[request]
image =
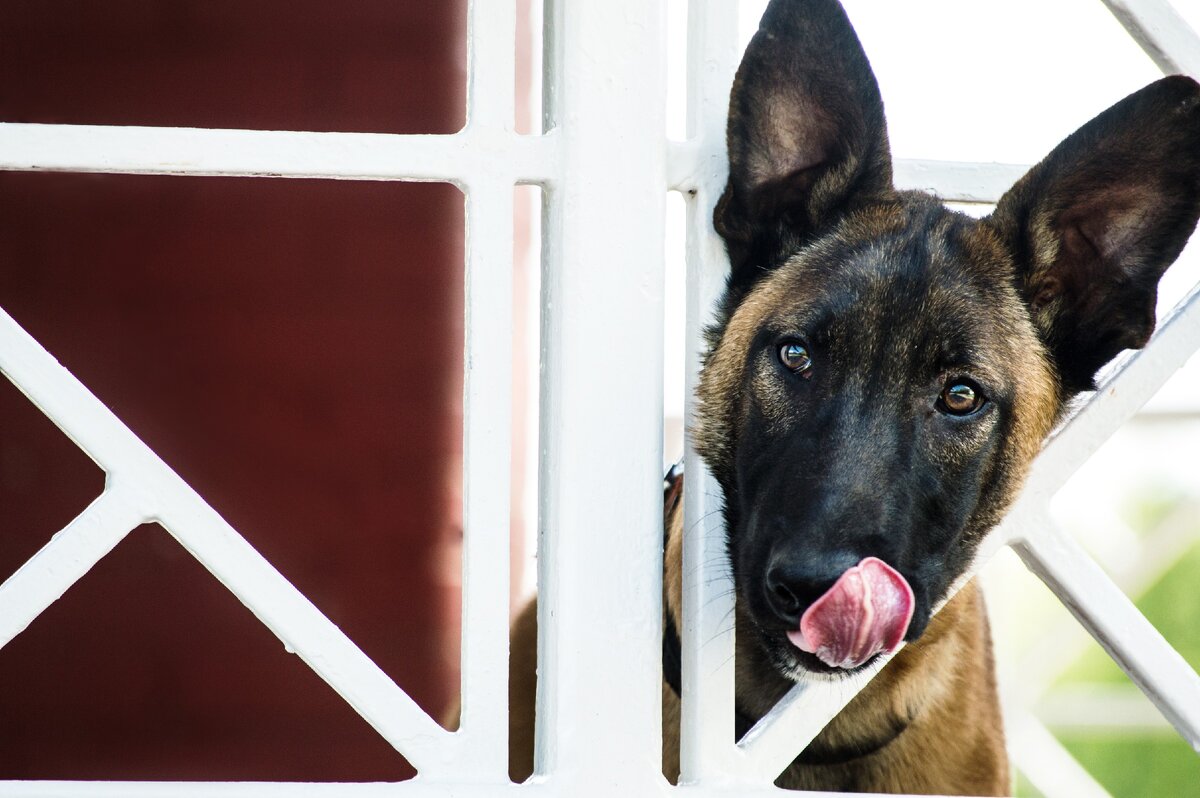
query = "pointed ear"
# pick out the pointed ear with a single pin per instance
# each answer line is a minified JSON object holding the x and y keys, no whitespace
{"x":807,"y":137}
{"x":1094,"y":226}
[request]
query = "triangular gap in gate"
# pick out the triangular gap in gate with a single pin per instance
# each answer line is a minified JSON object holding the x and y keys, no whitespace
{"x":45,"y":479}
{"x":150,"y":645}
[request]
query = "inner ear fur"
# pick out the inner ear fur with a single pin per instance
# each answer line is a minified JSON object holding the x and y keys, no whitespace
{"x":1094,"y":226}
{"x":806,"y":134}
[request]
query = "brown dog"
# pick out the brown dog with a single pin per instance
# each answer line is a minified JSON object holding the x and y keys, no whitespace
{"x":881,"y":373}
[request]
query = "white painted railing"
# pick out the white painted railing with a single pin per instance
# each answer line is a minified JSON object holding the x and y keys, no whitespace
{"x":605,"y":168}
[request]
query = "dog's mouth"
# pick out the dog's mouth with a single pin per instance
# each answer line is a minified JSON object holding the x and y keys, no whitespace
{"x":864,"y":614}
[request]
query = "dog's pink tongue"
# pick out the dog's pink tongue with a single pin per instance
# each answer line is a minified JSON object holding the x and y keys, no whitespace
{"x":866,"y":611}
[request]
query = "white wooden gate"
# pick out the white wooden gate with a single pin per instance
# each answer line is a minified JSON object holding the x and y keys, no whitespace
{"x":605,"y":167}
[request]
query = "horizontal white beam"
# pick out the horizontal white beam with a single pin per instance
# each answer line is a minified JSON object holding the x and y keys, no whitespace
{"x":1161,"y":32}
{"x":958,"y":181}
{"x":1093,"y":707}
{"x":953,"y":181}
{"x":278,"y":153}
{"x":449,"y":158}
{"x":416,"y":788}
{"x":1131,"y":640}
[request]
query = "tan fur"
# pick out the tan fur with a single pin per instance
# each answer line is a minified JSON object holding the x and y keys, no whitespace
{"x":522,"y":693}
{"x":942,"y":687}
{"x":1044,"y":291}
{"x":944,"y":683}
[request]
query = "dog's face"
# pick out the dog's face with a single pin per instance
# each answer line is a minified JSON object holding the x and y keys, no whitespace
{"x":885,"y":369}
{"x":888,"y":392}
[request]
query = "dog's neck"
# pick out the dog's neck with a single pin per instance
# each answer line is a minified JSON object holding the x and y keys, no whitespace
{"x":867,"y":726}
{"x":817,"y":753}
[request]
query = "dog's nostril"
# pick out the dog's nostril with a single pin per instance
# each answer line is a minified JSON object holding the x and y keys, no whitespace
{"x":783,"y":598}
{"x":786,"y":598}
{"x":792,"y":584}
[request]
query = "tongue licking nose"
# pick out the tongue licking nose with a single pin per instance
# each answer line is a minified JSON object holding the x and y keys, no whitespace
{"x":866,"y":611}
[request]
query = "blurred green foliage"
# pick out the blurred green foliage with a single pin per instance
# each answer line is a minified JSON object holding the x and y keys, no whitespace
{"x":1139,"y":764}
{"x":1136,"y":765}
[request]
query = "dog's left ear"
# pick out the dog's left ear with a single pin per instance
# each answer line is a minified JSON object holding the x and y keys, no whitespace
{"x":807,"y":137}
{"x":1094,"y":225}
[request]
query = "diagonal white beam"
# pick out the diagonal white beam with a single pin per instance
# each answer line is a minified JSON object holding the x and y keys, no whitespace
{"x":1161,"y":32}
{"x":1046,"y":763}
{"x":1064,"y":641}
{"x":162,"y":495}
{"x":303,"y":629}
{"x":799,"y":716}
{"x":791,"y":725}
{"x":1117,"y":625}
{"x":277,"y":153}
{"x":1137,"y":378}
{"x":65,"y":558}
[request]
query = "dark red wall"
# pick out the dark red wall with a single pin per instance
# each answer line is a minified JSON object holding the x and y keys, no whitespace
{"x":292,"y":348}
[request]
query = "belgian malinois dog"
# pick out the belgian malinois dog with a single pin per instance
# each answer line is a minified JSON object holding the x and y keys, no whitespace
{"x":880,"y":375}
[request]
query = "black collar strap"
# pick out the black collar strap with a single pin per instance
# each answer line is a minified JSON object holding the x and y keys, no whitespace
{"x":672,"y":658}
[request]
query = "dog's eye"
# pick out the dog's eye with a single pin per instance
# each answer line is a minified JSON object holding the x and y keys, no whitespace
{"x":961,"y":398}
{"x":796,"y":359}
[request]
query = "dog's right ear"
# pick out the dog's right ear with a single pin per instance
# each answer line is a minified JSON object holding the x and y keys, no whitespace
{"x":807,"y":137}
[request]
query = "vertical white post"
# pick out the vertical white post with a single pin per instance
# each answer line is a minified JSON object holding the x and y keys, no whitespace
{"x":600,"y":572}
{"x":487,"y":405}
{"x":487,"y":445}
{"x":706,"y":724}
{"x":491,"y":67}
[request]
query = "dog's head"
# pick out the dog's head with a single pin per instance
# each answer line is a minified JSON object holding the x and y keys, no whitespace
{"x":884,"y":369}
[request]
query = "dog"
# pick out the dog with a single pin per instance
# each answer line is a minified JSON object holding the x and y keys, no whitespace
{"x":881,"y":373}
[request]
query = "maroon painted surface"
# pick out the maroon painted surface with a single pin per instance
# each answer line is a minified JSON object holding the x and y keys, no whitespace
{"x":292,"y":348}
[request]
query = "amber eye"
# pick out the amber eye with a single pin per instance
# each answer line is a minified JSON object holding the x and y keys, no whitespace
{"x":961,"y":398}
{"x":795,"y":358}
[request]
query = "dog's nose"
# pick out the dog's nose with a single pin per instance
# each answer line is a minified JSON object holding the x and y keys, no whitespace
{"x":792,"y":585}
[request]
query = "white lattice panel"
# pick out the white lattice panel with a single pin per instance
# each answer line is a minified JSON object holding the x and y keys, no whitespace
{"x":606,"y":167}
